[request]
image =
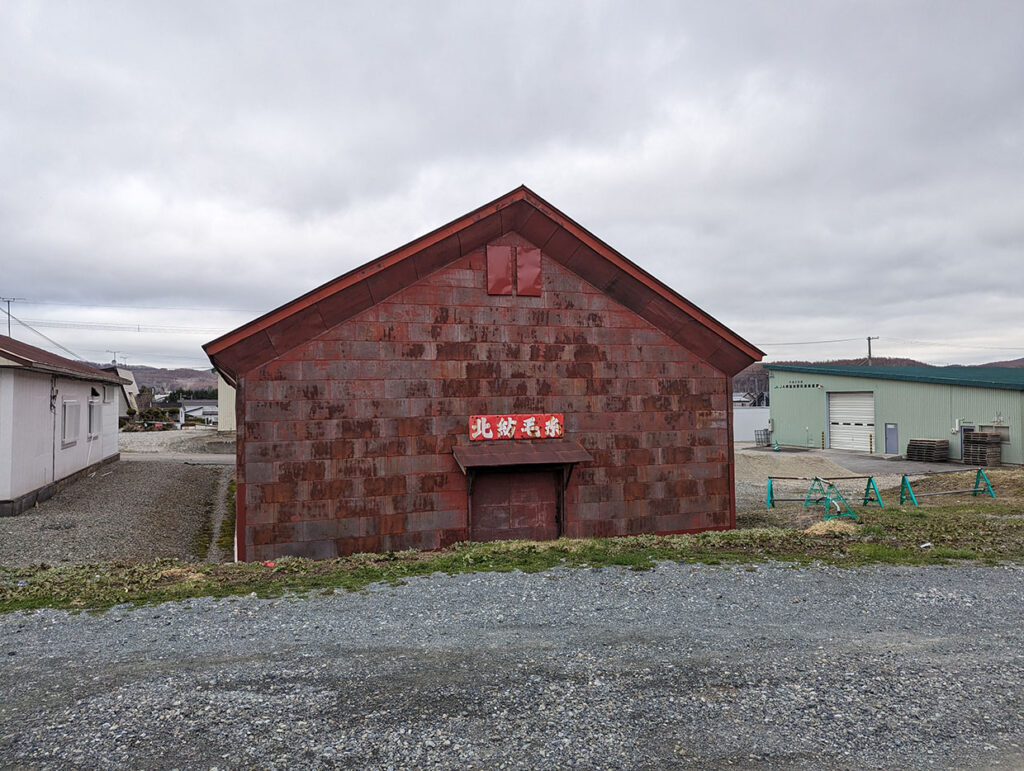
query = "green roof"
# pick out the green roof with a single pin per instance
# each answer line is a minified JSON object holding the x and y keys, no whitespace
{"x":1005,"y":378}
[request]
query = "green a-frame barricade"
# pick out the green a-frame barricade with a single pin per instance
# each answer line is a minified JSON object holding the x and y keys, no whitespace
{"x":907,"y":492}
{"x":871,"y":494}
{"x":824,"y":493}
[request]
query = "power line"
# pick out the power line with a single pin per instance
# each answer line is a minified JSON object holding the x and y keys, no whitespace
{"x":946,"y":343}
{"x":151,"y":354}
{"x":112,"y":327}
{"x":52,"y":342}
{"x":812,"y":342}
{"x":147,"y":307}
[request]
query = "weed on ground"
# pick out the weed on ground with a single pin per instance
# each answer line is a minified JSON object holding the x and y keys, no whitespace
{"x":940,"y":531}
{"x":226,"y":536}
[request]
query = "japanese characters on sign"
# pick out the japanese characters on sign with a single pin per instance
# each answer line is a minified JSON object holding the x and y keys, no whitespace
{"x":483,"y":428}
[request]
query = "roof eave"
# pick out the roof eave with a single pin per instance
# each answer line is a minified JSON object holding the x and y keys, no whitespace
{"x":49,"y":369}
{"x":270,"y":335}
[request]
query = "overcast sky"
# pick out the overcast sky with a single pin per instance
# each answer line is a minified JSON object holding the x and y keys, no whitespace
{"x":816,"y":171}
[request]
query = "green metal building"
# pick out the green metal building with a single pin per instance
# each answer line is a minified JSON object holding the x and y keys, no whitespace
{"x":880,"y":409}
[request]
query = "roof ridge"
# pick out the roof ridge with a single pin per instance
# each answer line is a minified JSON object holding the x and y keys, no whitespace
{"x":521,"y":210}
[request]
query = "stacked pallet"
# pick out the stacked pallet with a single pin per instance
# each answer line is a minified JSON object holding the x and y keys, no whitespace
{"x":928,"y":450}
{"x":982,"y":449}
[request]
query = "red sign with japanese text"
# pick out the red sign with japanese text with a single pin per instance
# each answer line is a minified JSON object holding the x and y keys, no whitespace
{"x":484,"y":428}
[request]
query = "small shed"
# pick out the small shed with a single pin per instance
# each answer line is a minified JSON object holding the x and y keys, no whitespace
{"x":58,"y":422}
{"x":508,"y":375}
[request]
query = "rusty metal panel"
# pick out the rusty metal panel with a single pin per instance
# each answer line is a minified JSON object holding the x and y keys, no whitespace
{"x":561,"y":245}
{"x":499,"y":270}
{"x":386,"y":282}
{"x":515,"y":505}
{"x":525,"y":453}
{"x":536,"y":227}
{"x":253,"y":351}
{"x":362,"y":432}
{"x":296,"y":329}
{"x":437,"y":256}
{"x":479,"y":232}
{"x":528,"y":263}
{"x":345,"y":304}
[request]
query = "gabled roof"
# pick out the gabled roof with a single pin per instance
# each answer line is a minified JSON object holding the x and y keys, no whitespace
{"x":522,"y":211}
{"x":130,"y":386}
{"x":1004,"y":378}
{"x":14,"y":353}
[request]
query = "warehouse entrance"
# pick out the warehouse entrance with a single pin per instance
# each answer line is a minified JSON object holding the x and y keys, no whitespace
{"x":517,"y":489}
{"x":518,"y":504}
{"x":851,"y":420}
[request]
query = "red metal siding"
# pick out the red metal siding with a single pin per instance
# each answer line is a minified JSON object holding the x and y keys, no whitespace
{"x":528,"y":281}
{"x":348,"y":436}
{"x":499,"y":269}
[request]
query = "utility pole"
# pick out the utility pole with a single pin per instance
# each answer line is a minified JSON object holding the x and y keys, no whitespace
{"x":869,"y":348}
{"x":9,"y":300}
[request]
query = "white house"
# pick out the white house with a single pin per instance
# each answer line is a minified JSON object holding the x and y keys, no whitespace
{"x":58,"y":422}
{"x":127,"y":392}
{"x":200,"y":409}
{"x":225,"y":405}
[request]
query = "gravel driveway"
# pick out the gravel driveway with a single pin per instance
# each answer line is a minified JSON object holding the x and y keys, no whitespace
{"x":683,"y":666}
{"x":126,"y":511}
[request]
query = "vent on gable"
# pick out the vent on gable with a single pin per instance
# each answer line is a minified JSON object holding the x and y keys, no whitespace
{"x":513,"y":270}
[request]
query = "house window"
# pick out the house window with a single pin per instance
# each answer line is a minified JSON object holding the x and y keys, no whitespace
{"x":108,"y":394}
{"x":70,"y":418}
{"x":95,"y":419}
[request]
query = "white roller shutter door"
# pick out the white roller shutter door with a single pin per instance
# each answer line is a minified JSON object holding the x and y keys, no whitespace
{"x":851,"y":420}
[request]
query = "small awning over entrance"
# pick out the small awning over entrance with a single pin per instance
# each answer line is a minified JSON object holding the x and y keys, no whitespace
{"x":543,"y":452}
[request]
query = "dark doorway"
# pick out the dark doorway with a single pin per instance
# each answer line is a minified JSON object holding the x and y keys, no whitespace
{"x":518,"y":504}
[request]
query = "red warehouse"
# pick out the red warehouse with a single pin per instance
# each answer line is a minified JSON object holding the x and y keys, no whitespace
{"x":508,"y":375}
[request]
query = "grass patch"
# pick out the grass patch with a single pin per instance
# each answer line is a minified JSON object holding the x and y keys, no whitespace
{"x":226,"y":536}
{"x":889,"y":536}
{"x":986,"y":531}
{"x":203,"y":538}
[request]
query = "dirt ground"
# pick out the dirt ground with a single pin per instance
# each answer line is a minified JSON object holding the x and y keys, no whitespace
{"x":190,"y":440}
{"x":754,"y":466}
{"x":757,"y":465}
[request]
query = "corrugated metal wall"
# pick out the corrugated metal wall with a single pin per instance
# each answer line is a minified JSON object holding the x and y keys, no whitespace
{"x":920,"y":410}
{"x":798,"y":409}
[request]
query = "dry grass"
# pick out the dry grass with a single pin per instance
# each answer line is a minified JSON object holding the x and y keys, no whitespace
{"x":836,"y":525}
{"x":1008,"y":484}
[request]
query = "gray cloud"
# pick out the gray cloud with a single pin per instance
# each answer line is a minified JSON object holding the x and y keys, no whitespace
{"x":803,"y":171}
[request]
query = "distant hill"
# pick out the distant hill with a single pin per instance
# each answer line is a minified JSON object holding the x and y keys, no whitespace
{"x":1012,"y":364}
{"x":755,"y":377}
{"x":167,"y":380}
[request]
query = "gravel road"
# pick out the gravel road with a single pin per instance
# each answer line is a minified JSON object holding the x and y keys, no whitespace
{"x":683,"y":666}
